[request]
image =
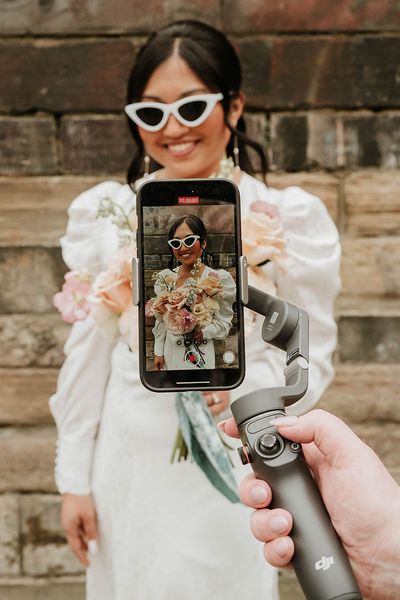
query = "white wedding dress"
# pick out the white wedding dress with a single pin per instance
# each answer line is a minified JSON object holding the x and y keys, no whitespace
{"x":164,"y":532}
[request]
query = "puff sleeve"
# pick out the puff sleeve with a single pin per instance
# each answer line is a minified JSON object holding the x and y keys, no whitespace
{"x":77,"y":403}
{"x":311,"y":282}
{"x":221,"y":324}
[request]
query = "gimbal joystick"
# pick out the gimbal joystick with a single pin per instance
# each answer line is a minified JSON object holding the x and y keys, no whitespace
{"x":320,"y":562}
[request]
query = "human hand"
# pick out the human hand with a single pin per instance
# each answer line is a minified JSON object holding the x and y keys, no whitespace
{"x":159,"y":363}
{"x":78,"y":518}
{"x":361,"y":497}
{"x":217,"y":402}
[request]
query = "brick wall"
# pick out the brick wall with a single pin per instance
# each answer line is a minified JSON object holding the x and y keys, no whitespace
{"x":323,"y":91}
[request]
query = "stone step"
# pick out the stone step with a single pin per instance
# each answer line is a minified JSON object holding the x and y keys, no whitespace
{"x":27,"y":462}
{"x":352,"y":396}
{"x":29,"y":588}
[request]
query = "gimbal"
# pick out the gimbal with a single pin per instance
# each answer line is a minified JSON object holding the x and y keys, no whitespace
{"x":320,"y":562}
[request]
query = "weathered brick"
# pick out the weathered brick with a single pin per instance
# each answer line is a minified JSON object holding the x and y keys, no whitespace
{"x":27,"y":462}
{"x":257,"y":128}
{"x":323,"y":185}
{"x":355,"y":305}
{"x":43,"y":75}
{"x":363,"y":393}
{"x":95,"y":144}
{"x":9,"y":535}
{"x":256,"y":56}
{"x":289,"y":142}
{"x":25,"y":394}
{"x":330,"y":140}
{"x":103,"y":17}
{"x":242,"y":16}
{"x":32,"y":340}
{"x":330,"y":71}
{"x":371,"y":266}
{"x":45,"y":551}
{"x":33,"y":211}
{"x":372,"y":140}
{"x":29,"y":588}
{"x":369,"y":339}
{"x":28,"y":145}
{"x":29,"y":278}
{"x":372,"y":202}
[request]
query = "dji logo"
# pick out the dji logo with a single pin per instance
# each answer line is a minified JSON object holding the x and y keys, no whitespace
{"x":324,"y":563}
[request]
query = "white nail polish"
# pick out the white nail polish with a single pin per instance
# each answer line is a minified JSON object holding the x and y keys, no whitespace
{"x":92,"y":547}
{"x":258,"y":494}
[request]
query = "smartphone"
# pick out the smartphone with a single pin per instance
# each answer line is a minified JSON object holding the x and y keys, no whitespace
{"x":189,"y":281}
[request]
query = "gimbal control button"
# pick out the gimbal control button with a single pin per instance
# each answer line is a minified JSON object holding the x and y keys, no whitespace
{"x":245,"y":455}
{"x":269,"y":444}
{"x":294,"y":447}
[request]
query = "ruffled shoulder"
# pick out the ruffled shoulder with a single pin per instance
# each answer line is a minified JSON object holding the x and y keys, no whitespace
{"x":90,"y":240}
{"x":305,"y":218}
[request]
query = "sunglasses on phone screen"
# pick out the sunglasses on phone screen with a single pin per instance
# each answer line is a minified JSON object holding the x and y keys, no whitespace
{"x":188,"y":241}
{"x":190,"y":111}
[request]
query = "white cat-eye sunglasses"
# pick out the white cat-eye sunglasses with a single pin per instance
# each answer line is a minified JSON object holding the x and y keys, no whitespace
{"x":190,"y":111}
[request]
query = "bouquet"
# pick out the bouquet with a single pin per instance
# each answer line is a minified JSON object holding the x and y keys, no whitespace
{"x":107,"y":296}
{"x":185,"y":310}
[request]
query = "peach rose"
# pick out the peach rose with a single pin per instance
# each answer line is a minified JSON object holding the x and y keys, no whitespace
{"x":263,"y":238}
{"x":177,"y":298}
{"x":160,"y":303}
{"x":211,"y":285}
{"x":202,"y":314}
{"x":113,"y":291}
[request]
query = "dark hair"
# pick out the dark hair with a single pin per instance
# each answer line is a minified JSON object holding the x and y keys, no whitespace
{"x":212,"y":57}
{"x":198,"y":228}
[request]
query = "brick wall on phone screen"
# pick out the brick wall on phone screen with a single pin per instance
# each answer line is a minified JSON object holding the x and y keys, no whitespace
{"x":323,"y":95}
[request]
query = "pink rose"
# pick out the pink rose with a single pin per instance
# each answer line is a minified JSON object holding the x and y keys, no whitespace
{"x":113,"y":291}
{"x":180,"y":321}
{"x":72,"y":301}
{"x":149,"y":308}
{"x":260,"y":206}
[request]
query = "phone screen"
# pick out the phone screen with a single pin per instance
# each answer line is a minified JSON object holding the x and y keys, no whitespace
{"x":191,"y":320}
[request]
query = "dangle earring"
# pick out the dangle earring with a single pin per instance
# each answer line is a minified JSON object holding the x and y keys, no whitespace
{"x":236,"y":152}
{"x":146,"y":159}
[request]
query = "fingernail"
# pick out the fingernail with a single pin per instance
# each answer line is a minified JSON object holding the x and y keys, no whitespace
{"x":278,"y":524}
{"x":281,"y":547}
{"x":285,"y":421}
{"x":221,"y":425}
{"x":92,"y":547}
{"x":258,"y":494}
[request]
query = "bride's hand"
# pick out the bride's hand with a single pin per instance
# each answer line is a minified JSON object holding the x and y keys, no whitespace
{"x":159,"y":363}
{"x":217,"y":402}
{"x":79,"y":521}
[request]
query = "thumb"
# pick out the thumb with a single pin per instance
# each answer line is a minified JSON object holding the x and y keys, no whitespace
{"x":331,"y":435}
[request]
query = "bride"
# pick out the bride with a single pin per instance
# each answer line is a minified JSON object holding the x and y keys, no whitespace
{"x":145,"y":528}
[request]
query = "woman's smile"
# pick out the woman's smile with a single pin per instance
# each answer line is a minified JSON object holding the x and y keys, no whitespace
{"x":178,"y":149}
